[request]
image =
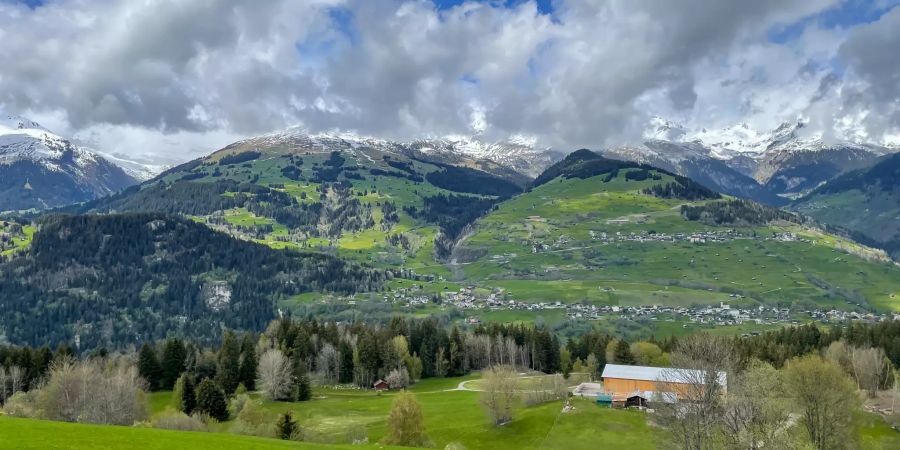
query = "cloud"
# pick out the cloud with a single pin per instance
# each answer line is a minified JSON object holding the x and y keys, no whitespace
{"x":164,"y":77}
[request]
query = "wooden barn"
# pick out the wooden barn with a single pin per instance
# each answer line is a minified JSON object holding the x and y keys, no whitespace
{"x":628,"y":380}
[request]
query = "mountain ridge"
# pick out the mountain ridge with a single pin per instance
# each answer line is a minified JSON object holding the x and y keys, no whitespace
{"x":39,"y":169}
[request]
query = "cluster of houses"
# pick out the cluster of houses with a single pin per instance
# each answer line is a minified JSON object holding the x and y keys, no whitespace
{"x":701,"y":237}
{"x":469,"y":299}
{"x":721,"y":315}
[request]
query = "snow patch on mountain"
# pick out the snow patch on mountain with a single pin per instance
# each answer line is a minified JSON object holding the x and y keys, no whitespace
{"x":519,"y":153}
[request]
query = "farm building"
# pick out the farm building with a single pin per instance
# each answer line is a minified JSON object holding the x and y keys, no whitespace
{"x":381,"y":385}
{"x":626,"y":380}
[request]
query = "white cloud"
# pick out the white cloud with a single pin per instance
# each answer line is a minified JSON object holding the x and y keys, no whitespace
{"x":178,"y":78}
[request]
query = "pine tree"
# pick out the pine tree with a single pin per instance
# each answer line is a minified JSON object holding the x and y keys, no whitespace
{"x":623,"y":354}
{"x":211,"y":400}
{"x":172,"y":365}
{"x":286,"y":428}
{"x":148,"y":367}
{"x":346,"y":371}
{"x":229,"y":363}
{"x":248,"y":363}
{"x":303,"y":388}
{"x":457,"y":354}
{"x":188,"y":394}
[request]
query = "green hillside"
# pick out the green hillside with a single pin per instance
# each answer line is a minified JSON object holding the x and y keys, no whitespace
{"x":605,"y":235}
{"x":865,"y":203}
{"x":117,"y":279}
{"x":385,"y":208}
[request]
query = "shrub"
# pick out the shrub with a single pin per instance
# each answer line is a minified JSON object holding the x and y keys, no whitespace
{"x":176,"y":420}
{"x":22,"y":404}
{"x":253,"y":420}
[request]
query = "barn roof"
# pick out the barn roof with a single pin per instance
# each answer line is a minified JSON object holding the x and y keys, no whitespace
{"x":665,"y":374}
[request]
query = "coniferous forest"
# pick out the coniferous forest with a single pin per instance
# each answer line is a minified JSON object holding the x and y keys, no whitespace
{"x":118,"y":279}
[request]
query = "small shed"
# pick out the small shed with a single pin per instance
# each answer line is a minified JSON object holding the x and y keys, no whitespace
{"x":381,"y":385}
{"x":605,"y":399}
{"x":637,"y":400}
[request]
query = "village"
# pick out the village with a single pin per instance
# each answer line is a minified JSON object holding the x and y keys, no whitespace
{"x":723,"y":314}
{"x":703,"y":237}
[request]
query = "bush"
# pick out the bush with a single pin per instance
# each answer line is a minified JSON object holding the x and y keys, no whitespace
{"x":253,"y":420}
{"x":236,"y":405}
{"x":179,"y":421}
{"x":22,"y":404}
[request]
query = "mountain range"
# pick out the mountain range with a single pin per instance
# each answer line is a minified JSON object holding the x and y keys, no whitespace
{"x":772,"y":167}
{"x":39,"y":169}
{"x":386,"y":216}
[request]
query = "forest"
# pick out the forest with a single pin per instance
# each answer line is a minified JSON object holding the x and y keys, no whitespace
{"x":737,"y":212}
{"x":113,"y":280}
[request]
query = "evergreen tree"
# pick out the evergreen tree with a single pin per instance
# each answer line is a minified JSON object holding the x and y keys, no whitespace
{"x":148,"y":366}
{"x":172,"y":365}
{"x":286,"y":428}
{"x":369,"y":359}
{"x":188,"y":394}
{"x":457,"y":354}
{"x":229,"y":363}
{"x":622,"y":353}
{"x":345,"y":374}
{"x":211,"y":400}
{"x":303,"y":388}
{"x":248,"y":363}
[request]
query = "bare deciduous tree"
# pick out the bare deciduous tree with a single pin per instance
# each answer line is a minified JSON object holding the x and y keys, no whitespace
{"x":827,"y":400}
{"x":274,"y":375}
{"x":93,"y":391}
{"x":869,"y":369}
{"x":501,"y":394}
{"x":328,"y":364}
{"x":703,"y":362}
{"x":398,"y":378}
{"x":757,"y":411}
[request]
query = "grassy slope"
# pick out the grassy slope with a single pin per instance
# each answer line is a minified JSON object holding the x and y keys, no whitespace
{"x":874,"y":214}
{"x":456,"y":416}
{"x":45,"y":435}
{"x":577,"y":268}
{"x":19,"y":242}
{"x":368,"y":245}
{"x":450,"y":416}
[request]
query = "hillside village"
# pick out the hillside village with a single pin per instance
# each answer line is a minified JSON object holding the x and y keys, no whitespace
{"x":469,"y":299}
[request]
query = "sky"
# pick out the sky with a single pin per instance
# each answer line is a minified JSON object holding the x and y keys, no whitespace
{"x":169,"y":80}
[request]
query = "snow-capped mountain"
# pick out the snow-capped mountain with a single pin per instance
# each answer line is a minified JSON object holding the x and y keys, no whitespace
{"x":519,"y":153}
{"x":787,"y":161}
{"x":39,"y":169}
{"x":695,"y":161}
{"x":517,"y":159}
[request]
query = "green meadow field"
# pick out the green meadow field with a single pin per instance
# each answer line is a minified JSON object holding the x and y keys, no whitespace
{"x":572,"y":266}
{"x":333,"y":416}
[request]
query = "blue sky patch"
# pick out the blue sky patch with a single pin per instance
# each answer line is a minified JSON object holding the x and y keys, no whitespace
{"x":845,"y":15}
{"x":544,"y":6}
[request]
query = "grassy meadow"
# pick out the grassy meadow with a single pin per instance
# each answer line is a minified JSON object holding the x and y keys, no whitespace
{"x":543,"y":246}
{"x":333,"y":417}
